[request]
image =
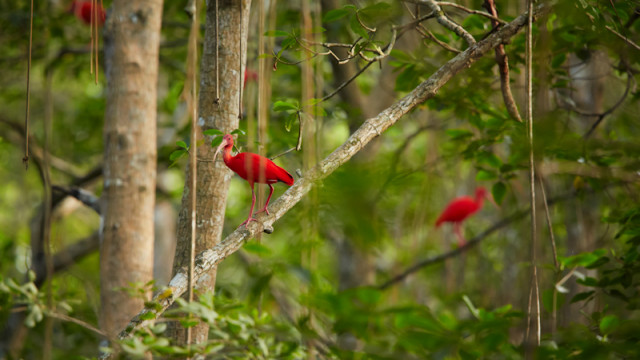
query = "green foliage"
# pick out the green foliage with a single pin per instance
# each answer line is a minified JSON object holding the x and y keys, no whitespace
{"x":312,"y":283}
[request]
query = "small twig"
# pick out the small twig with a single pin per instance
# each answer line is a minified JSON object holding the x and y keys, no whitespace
{"x":503,"y":65}
{"x":84,"y":324}
{"x":87,"y":198}
{"x":601,"y":116}
{"x":382,"y":54}
{"x":344,"y":84}
{"x":363,"y":24}
{"x":448,"y":23}
{"x":492,"y":16}
{"x":282,"y":153}
{"x":427,"y":34}
{"x":552,"y":238}
{"x":624,"y":38}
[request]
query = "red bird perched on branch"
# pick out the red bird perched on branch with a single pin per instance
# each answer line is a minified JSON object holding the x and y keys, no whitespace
{"x":83,"y":11}
{"x":461,"y":208}
{"x":253,"y":168}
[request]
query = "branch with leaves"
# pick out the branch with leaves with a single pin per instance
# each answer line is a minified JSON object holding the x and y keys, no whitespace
{"x":371,"y":128}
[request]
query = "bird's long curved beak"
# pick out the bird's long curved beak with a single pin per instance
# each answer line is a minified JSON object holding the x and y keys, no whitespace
{"x":220,"y":147}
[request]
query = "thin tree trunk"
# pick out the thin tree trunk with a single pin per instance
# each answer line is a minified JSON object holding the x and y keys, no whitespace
{"x":132,"y":39}
{"x":212,"y":179}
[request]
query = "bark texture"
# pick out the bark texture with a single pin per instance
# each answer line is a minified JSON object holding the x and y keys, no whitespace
{"x":132,"y":39}
{"x":212,"y":178}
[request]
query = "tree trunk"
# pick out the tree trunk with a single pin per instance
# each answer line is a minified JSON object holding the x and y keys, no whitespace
{"x":212,"y":179}
{"x":132,"y":39}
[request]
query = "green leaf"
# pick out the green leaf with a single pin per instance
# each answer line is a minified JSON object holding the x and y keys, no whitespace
{"x":489,"y":158}
{"x":189,"y":322}
{"x":275,"y":33}
{"x":238,"y":132}
{"x":582,"y":296}
{"x":283,"y":106}
{"x":601,"y":261}
{"x":485,"y":175}
{"x":376,"y":13}
{"x":148,"y":316}
{"x":177,"y":154}
{"x":212,"y":132}
{"x":498,"y":191}
{"x":608,"y":324}
{"x":216,"y":141}
{"x":335,"y":14}
{"x":182,"y":144}
{"x":584,"y":259}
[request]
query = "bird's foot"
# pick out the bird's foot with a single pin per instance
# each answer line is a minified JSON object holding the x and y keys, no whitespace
{"x":461,"y":243}
{"x":246,"y":222}
{"x":263,"y":210}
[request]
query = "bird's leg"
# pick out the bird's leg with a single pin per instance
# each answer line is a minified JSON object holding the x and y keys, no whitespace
{"x":267,"y":203}
{"x":253,"y":202}
{"x":457,"y":227}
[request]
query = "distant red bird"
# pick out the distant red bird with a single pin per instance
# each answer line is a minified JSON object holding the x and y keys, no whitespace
{"x":249,"y":166}
{"x":249,"y":75}
{"x":83,"y":9}
{"x":459,"y":209}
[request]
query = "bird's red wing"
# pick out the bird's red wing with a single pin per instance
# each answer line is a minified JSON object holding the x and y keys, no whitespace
{"x":276,"y":172}
{"x":248,"y":165}
{"x":458,"y":210}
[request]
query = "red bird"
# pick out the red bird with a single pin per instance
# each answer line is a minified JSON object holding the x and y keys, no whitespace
{"x":249,"y":75}
{"x":83,"y":11}
{"x":249,"y":166}
{"x":461,"y":208}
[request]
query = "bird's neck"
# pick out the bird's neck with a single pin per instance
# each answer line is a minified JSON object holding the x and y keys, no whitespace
{"x":480,"y":201}
{"x":226,"y":154}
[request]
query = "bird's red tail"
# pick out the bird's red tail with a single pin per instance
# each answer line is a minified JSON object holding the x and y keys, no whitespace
{"x":283,"y":176}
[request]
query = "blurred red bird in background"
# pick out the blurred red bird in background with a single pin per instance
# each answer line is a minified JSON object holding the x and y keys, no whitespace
{"x":83,"y":11}
{"x":461,"y":208}
{"x":253,"y":168}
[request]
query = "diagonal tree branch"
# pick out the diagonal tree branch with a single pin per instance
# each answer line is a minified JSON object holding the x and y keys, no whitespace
{"x":84,"y":196}
{"x":370,"y":129}
{"x":68,"y":256}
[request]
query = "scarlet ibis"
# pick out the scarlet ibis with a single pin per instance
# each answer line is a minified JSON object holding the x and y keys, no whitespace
{"x":253,"y":168}
{"x":249,"y":75}
{"x":83,"y":11}
{"x":461,"y":208}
